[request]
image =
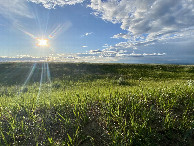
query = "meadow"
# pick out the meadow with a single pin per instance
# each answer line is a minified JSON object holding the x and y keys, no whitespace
{"x":96,"y":104}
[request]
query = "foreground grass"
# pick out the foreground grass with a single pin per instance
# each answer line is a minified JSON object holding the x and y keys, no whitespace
{"x":99,"y":104}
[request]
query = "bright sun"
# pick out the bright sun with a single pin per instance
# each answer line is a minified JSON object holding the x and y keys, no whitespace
{"x":42,"y":42}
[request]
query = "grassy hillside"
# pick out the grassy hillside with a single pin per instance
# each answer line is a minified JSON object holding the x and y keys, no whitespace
{"x":96,"y":104}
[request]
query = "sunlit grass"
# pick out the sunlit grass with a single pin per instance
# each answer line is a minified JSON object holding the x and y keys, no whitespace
{"x":101,"y":105}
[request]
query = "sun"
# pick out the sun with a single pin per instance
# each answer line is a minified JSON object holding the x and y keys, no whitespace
{"x":42,"y":42}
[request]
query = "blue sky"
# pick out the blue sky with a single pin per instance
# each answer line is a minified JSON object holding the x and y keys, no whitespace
{"x":141,"y":31}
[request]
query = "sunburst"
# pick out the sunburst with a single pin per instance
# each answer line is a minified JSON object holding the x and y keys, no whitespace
{"x":42,"y":42}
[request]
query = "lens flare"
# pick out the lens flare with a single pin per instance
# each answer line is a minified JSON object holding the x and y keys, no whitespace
{"x":42,"y":42}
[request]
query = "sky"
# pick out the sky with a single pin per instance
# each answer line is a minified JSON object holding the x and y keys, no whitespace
{"x":124,"y":31}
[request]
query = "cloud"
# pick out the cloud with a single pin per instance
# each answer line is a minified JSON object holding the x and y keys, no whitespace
{"x":50,"y":4}
{"x":87,"y":34}
{"x":119,"y":53}
{"x":105,"y":46}
{"x":95,"y":51}
{"x":121,"y":35}
{"x":11,"y":8}
{"x":84,"y":46}
{"x":147,"y":21}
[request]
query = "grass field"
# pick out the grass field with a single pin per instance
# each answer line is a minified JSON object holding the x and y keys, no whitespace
{"x":96,"y":104}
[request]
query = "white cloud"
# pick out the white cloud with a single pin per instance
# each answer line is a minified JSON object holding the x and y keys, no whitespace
{"x":147,"y":21}
{"x":105,"y":46}
{"x":87,"y":34}
{"x":12,"y":8}
{"x":95,"y":51}
{"x":121,"y":35}
{"x":49,"y":4}
{"x":118,"y":53}
{"x":84,"y":46}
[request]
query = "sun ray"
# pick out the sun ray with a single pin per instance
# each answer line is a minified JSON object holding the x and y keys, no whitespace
{"x":28,"y":78}
{"x":19,"y":27}
{"x":40,"y":86}
{"x":48,"y":73}
{"x":30,"y":75}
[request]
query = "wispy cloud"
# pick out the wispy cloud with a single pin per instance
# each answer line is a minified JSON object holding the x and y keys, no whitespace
{"x":84,"y":46}
{"x":11,"y":8}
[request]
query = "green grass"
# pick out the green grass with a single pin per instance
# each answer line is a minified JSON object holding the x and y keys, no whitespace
{"x":97,"y":104}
